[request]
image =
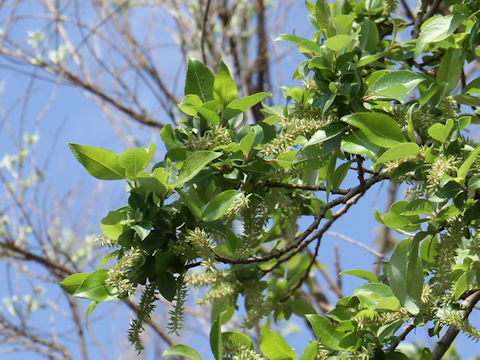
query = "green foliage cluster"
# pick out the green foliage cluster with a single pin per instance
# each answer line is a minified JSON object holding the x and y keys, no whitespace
{"x":227,"y":196}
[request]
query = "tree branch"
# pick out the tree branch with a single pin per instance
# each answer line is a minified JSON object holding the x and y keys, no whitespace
{"x":446,"y":341}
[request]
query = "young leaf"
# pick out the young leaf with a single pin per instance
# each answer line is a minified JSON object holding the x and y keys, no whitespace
{"x":238,"y":106}
{"x":274,"y":347}
{"x":193,"y":165}
{"x":199,"y":80}
{"x":219,"y":205}
{"x":467,"y":164}
{"x":111,"y":225}
{"x":437,"y":30}
{"x":395,"y":84}
{"x":93,"y":287}
{"x":325,"y":331}
{"x":310,"y":352}
{"x":135,"y":160}
{"x":450,"y":70}
{"x":302,"y":43}
{"x":399,"y":152}
{"x":100,"y":163}
{"x":156,"y":181}
{"x":324,"y":18}
{"x":237,"y":339}
{"x":224,"y":87}
{"x":363,"y":274}
{"x":182,"y":350}
{"x":377,"y":296}
{"x":439,"y":131}
{"x":90,"y":309}
{"x":73,"y":282}
{"x":379,"y":128}
{"x":338,"y":42}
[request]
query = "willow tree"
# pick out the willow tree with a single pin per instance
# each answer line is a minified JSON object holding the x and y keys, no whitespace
{"x":222,"y":209}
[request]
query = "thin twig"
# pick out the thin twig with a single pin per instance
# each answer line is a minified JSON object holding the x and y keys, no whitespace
{"x":354,"y":242}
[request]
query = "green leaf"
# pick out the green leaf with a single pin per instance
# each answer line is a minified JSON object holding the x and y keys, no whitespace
{"x":405,"y":274}
{"x":326,"y":133}
{"x":473,"y":87}
{"x":209,"y":112}
{"x":111,"y":225}
{"x":224,"y":87}
{"x":216,"y":343}
{"x":193,"y":165}
{"x":135,"y":160}
{"x":156,"y":181}
{"x":369,"y":36}
{"x":237,"y":339}
{"x":324,"y":18}
{"x":399,"y":152}
{"x":339,"y":175}
{"x":325,"y":331}
{"x":189,"y":103}
{"x":377,"y":296}
{"x":311,"y":351}
{"x":247,"y":142}
{"x":286,"y":159}
{"x":73,"y":282}
{"x":199,"y":80}
{"x":182,"y":350}
{"x":301,"y":307}
{"x":439,"y":131}
{"x":450,"y":70}
{"x":395,"y":85}
{"x":467,"y":164}
{"x":274,"y":347}
{"x":338,"y":42}
{"x":93,"y":287}
{"x":463,"y":282}
{"x":474,"y":182}
{"x":238,"y":106}
{"x":90,"y":309}
{"x":363,"y":274}
{"x":356,"y":142}
{"x":302,"y":43}
{"x":219,"y":205}
{"x":437,"y":30}
{"x":379,"y":128}
{"x":100,"y":163}
{"x":309,"y":158}
{"x":192,"y":201}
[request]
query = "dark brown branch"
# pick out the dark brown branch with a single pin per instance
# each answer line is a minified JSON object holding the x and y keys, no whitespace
{"x":407,"y":9}
{"x":353,"y":192}
{"x":204,"y":32}
{"x":305,"y":187}
{"x":446,"y":341}
{"x":261,"y":62}
{"x":419,"y":19}
{"x":338,"y":268}
{"x":402,"y":336}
